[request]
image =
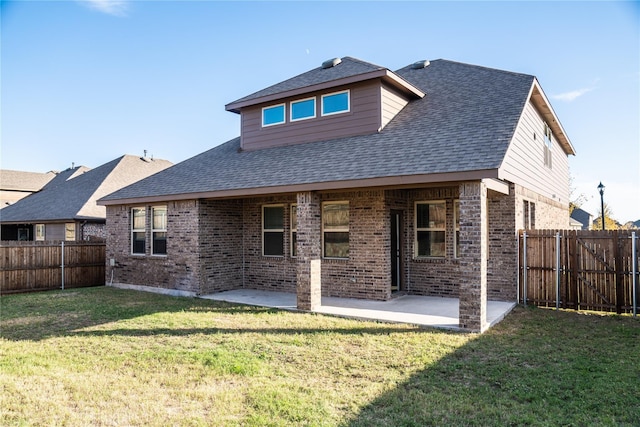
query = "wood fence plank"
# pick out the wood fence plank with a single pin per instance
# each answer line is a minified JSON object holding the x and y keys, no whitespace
{"x":30,"y":266}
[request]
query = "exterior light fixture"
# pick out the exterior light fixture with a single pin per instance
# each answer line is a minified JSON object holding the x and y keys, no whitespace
{"x":601,"y":190}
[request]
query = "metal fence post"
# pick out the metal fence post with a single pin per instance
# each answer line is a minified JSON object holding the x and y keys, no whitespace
{"x":62,"y":258}
{"x":524,"y":268}
{"x":634,"y":268}
{"x":558,"y":271}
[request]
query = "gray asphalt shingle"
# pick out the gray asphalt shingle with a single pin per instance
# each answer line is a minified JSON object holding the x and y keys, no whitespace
{"x":464,"y":123}
{"x":72,"y":194}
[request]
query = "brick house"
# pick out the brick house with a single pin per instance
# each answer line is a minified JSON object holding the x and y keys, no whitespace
{"x":351,"y":180}
{"x":65,"y":207}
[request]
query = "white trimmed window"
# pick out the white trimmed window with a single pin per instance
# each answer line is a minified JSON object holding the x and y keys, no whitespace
{"x":456,"y":222}
{"x":430,"y":231}
{"x":548,"y":145}
{"x":335,"y":229}
{"x":303,"y":109}
{"x":70,"y":231}
{"x":159,"y":230}
{"x":336,"y":103}
{"x":40,"y":232}
{"x":138,"y":226}
{"x":294,"y":230}
{"x":273,"y":115}
{"x":529,"y":215}
{"x":273,"y":230}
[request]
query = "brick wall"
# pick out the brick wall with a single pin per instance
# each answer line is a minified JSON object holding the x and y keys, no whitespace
{"x":228,"y":234}
{"x":179,"y":269}
{"x":433,"y":276}
{"x":473,"y":256}
{"x":267,"y":272}
{"x":220,"y":243}
{"x":549,"y":213}
{"x":367,"y":271}
{"x":93,"y":232}
{"x":503,"y":249}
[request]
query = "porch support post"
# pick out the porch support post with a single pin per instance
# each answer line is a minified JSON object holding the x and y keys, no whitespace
{"x":473,"y":256}
{"x":309,"y":251}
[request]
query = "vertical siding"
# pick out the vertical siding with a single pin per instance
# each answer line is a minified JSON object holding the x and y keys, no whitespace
{"x":524,"y":161}
{"x":54,"y":231}
{"x":392,"y":104}
{"x":363,"y":118}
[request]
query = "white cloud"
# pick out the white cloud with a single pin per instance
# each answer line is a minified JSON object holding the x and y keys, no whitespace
{"x":110,"y":7}
{"x":571,"y":96}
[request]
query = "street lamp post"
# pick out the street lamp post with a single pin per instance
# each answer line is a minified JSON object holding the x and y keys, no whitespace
{"x":601,"y":190}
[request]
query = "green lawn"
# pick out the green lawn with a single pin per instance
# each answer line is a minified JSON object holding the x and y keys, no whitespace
{"x":104,"y":356}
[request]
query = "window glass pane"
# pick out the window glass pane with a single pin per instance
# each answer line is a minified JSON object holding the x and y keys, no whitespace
{"x":294,"y":217}
{"x":303,"y":109}
{"x":138,"y":219}
{"x":431,"y":243}
{"x":294,"y":242}
{"x":274,"y":243}
{"x":336,"y":245}
{"x":335,"y":216}
{"x":138,"y":242}
{"x":273,"y":217}
{"x":70,"y":231}
{"x":273,"y":115}
{"x":430,"y":215}
{"x":335,"y":103}
{"x":160,"y":218}
{"x":159,"y":242}
{"x":39,"y":231}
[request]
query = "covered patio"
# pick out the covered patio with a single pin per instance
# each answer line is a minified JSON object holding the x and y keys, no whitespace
{"x":434,"y":312}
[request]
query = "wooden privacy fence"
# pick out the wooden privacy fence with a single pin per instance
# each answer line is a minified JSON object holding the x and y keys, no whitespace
{"x":579,"y":269}
{"x":35,"y":266}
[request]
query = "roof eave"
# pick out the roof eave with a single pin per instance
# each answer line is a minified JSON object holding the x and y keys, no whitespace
{"x":540,"y":101}
{"x":402,"y":181}
{"x":384,"y":74}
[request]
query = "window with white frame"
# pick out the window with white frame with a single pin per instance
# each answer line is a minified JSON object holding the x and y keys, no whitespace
{"x":456,"y":221}
{"x":70,"y":231}
{"x":303,"y":109}
{"x":335,"y":229}
{"x":40,"y":232}
{"x":159,"y":230}
{"x":273,"y":115}
{"x":294,"y":230}
{"x":273,"y":230}
{"x":138,"y":230}
{"x":529,"y":215}
{"x":548,"y":144}
{"x":430,"y":231}
{"x":335,"y":103}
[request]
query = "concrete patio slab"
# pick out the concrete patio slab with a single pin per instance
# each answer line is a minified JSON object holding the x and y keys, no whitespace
{"x":418,"y":310}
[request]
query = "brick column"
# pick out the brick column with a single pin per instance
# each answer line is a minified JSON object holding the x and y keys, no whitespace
{"x":473,"y":256}
{"x":309,"y":251}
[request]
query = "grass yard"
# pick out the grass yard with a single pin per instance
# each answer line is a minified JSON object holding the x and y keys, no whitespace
{"x":105,"y":356}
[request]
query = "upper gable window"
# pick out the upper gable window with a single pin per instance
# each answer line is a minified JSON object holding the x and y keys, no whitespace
{"x":303,"y":109}
{"x":273,"y":115}
{"x":335,"y":103}
{"x":548,"y":145}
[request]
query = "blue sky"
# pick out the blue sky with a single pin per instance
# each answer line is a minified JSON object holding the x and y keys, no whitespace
{"x":86,"y":81}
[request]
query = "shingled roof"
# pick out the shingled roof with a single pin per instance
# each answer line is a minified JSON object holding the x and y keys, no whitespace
{"x":24,"y":181}
{"x":461,"y":129}
{"x":73,"y":193}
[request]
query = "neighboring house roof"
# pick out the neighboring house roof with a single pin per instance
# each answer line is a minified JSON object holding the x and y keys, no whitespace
{"x":583,"y":217}
{"x":460,"y":130}
{"x":575,"y":224}
{"x":72,"y":194}
{"x":24,"y":181}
